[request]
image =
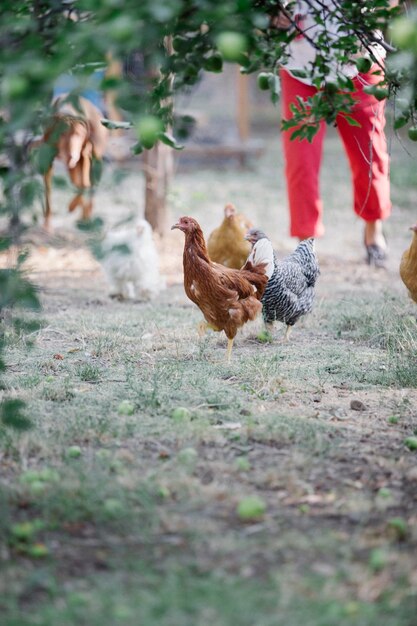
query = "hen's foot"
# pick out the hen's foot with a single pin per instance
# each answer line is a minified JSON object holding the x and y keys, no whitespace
{"x":202,"y":329}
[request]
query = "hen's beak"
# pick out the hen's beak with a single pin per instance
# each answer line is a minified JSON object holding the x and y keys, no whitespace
{"x":175,"y":226}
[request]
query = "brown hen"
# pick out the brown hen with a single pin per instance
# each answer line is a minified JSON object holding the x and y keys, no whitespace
{"x":227,"y":244}
{"x":228,"y":298}
{"x":408,"y":266}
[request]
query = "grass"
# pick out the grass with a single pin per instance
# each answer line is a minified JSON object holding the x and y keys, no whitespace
{"x":150,"y":502}
{"x":187,"y":598}
{"x":89,"y":372}
{"x":389,"y":327}
{"x":130,"y":507}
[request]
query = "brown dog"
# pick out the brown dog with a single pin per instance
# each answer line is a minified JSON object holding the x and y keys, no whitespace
{"x":77,"y":137}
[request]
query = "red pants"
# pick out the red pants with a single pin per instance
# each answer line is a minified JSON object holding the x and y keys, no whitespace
{"x":365,"y":147}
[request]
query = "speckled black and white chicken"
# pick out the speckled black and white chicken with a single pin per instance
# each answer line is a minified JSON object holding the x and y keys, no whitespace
{"x":290,"y":291}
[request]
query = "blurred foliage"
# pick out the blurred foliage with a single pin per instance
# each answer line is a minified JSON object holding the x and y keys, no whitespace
{"x":17,"y":293}
{"x":163,"y":46}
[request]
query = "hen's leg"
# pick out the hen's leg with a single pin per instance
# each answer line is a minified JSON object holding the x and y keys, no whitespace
{"x":287,"y":333}
{"x":130,"y":292}
{"x":229,"y":349}
{"x":115,"y":286}
{"x":202,"y":329}
{"x":269,"y":327}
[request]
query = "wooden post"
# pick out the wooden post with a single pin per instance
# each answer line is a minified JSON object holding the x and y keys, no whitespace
{"x":158,"y":169}
{"x":114,"y":69}
{"x":242,"y":106}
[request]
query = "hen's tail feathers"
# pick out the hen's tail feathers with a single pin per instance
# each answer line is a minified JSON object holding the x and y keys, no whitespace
{"x":305,"y":255}
{"x":306,"y":299}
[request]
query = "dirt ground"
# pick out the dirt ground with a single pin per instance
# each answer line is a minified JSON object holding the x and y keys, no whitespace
{"x":314,"y":428}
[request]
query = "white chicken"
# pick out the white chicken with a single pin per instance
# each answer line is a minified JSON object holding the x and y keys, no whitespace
{"x":131,"y":263}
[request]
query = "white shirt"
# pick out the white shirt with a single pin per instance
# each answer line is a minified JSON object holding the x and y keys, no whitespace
{"x":302,"y":52}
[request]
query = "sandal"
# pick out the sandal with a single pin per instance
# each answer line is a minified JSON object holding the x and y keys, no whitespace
{"x":376,"y":256}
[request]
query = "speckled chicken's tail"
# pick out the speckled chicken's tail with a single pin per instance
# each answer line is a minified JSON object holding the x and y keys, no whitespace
{"x":306,"y":300}
{"x":305,"y":255}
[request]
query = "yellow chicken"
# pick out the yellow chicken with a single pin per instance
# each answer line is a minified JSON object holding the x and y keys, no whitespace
{"x":226,"y":244}
{"x":408,"y":266}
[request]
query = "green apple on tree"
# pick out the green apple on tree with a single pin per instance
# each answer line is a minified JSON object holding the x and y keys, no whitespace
{"x":231,"y":45}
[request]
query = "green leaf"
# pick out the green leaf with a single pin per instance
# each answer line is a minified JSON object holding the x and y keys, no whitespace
{"x":121,"y":248}
{"x":311,"y":131}
{"x":26,"y":326}
{"x":351,"y":121}
{"x":299,"y":73}
{"x":44,"y":157}
{"x":346,"y":83}
{"x":11,"y":412}
{"x":170,"y":141}
{"x":28,"y":297}
{"x":110,"y":82}
{"x":60,"y":182}
{"x":16,"y":291}
{"x":114,"y":125}
{"x":5,"y":243}
{"x":29,"y":191}
{"x":400,"y":122}
{"x":137,"y":148}
{"x":184,"y":126}
{"x":96,"y":171}
{"x":94,"y":225}
{"x":297,"y":133}
{"x":23,"y":256}
{"x":96,"y":249}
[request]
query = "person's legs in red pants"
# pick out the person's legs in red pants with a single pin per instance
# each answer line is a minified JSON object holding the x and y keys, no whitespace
{"x":302,"y":166}
{"x":366,"y":149}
